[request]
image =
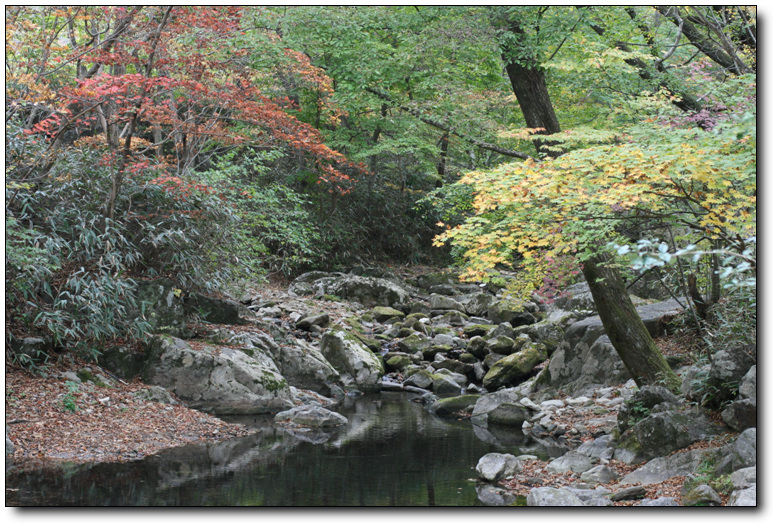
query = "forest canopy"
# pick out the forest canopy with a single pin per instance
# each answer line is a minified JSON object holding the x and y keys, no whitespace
{"x":218,"y":144}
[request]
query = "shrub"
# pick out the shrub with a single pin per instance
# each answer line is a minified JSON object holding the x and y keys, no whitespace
{"x":72,"y":272}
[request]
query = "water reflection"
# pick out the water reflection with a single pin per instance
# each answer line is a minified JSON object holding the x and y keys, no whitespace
{"x":392,"y":453}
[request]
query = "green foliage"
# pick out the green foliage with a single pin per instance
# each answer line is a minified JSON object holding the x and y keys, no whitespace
{"x":72,"y":272}
{"x":68,"y":400}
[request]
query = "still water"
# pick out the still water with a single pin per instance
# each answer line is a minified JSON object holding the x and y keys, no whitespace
{"x":391,"y":453}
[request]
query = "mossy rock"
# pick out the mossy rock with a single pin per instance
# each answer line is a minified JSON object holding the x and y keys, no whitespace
{"x":514,"y":368}
{"x":382,"y":314}
{"x":431,"y":351}
{"x":478,"y":330}
{"x":455,"y":404}
{"x":413,"y":343}
{"x":398,"y":362}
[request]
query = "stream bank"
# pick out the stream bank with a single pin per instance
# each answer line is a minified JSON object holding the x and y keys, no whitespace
{"x":446,"y":343}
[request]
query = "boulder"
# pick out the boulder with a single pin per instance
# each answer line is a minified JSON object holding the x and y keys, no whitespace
{"x":304,"y":366}
{"x":744,"y":498}
{"x":421,"y":379}
{"x":572,"y":461}
{"x":701,"y":496}
{"x":162,"y":307}
{"x":155,"y":394}
{"x":357,"y":365}
{"x":509,"y":415}
{"x":477,"y":304}
{"x":592,"y":360}
{"x":218,"y":310}
{"x":661,"y":469}
{"x":552,"y":497}
{"x":664,"y":432}
{"x":219,"y":380}
{"x":489,"y":402}
{"x":493,"y":496}
{"x":311,"y":416}
{"x":641,"y":404}
{"x":450,"y":406}
{"x":728,"y":368}
{"x":510,"y":311}
{"x":383,"y":314}
{"x":576,"y":297}
{"x":494,"y":466}
{"x":445,"y":385}
{"x":307,"y":322}
{"x":370,"y":292}
{"x":439,"y":302}
{"x":516,"y":367}
{"x":741,"y":414}
{"x":599,"y":474}
{"x":123,"y":361}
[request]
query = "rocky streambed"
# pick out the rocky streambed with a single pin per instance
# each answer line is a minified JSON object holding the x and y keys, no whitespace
{"x":516,"y":371}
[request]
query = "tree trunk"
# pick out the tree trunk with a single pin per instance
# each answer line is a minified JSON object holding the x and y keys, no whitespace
{"x":527,"y":79}
{"x":622,"y":323}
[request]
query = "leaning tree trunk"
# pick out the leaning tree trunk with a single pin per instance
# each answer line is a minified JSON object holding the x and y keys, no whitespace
{"x":626,"y":331}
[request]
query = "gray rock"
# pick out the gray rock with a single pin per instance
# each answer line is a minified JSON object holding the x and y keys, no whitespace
{"x":599,"y":474}
{"x":421,"y":379}
{"x":600,"y":447}
{"x":383,"y":314}
{"x":495,"y":496}
{"x":516,"y":367}
{"x":155,"y":394}
{"x":370,"y":292}
{"x":748,"y":387}
{"x":744,"y":478}
{"x":744,"y":498}
{"x":701,"y":496}
{"x":642,"y":403}
{"x":306,"y":322}
{"x":570,"y":462}
{"x":744,"y":450}
{"x":659,"y":502}
{"x":741,"y":414}
{"x":218,"y":310}
{"x":628,"y":493}
{"x":509,"y":414}
{"x":163,"y":307}
{"x":664,"y":468}
{"x":445,"y":385}
{"x":356,"y":365}
{"x":220,"y":380}
{"x":311,"y":416}
{"x":489,"y":402}
{"x":477,"y":304}
{"x":494,"y":466}
{"x":573,"y":368}
{"x":450,"y":406}
{"x":728,"y":368}
{"x":664,"y":432}
{"x":552,"y":497}
{"x":500,"y":345}
{"x":305,"y":367}
{"x":511,"y":311}
{"x":576,"y":297}
{"x":438,"y":302}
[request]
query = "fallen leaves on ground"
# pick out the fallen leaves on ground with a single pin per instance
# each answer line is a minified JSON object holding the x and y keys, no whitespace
{"x":50,"y":419}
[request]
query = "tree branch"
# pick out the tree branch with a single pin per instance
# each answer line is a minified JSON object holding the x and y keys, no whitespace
{"x":434,"y":123}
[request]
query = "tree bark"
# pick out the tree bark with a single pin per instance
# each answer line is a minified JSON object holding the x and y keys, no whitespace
{"x":625,"y":329}
{"x":527,"y":79}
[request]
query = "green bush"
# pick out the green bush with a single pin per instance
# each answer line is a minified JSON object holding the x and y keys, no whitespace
{"x":71,"y":272}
